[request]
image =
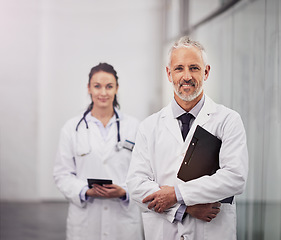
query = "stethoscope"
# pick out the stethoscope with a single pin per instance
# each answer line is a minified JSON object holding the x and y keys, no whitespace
{"x":119,"y":145}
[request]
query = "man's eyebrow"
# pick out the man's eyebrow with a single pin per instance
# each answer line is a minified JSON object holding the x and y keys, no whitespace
{"x":178,"y":65}
{"x":195,"y":65}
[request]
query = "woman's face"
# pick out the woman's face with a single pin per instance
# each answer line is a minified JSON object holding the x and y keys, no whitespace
{"x":102,"y":88}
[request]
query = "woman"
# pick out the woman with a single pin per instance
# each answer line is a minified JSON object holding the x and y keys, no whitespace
{"x":98,"y":145}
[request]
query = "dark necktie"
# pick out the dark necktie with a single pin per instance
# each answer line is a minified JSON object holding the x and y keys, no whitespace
{"x":185,"y":119}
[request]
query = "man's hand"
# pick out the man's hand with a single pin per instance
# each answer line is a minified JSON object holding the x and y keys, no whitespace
{"x":205,"y":212}
{"x":106,"y":191}
{"x":162,"y":199}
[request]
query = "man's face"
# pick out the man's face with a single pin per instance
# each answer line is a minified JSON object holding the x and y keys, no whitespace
{"x":187,"y":72}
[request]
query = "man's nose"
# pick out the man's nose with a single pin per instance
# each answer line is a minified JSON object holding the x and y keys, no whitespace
{"x":187,"y":75}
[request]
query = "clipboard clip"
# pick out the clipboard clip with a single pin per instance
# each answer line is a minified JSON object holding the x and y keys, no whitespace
{"x":192,"y":146}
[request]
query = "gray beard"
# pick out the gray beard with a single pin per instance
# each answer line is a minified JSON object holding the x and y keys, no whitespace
{"x":189,"y":98}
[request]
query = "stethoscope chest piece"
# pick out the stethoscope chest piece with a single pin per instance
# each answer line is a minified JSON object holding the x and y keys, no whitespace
{"x":118,"y":146}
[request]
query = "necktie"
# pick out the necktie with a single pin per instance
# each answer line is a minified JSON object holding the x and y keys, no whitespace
{"x":185,"y":119}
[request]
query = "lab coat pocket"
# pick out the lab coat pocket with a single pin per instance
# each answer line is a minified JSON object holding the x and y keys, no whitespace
{"x":128,"y":225}
{"x":153,"y":226}
{"x":224,"y":225}
{"x":77,"y":221}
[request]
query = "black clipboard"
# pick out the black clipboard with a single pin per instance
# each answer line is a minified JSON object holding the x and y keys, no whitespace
{"x":201,"y":157}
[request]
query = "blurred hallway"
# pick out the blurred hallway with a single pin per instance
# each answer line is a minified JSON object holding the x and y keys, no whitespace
{"x":47,"y":50}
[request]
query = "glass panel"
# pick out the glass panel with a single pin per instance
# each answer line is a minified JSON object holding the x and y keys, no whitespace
{"x":172,"y":19}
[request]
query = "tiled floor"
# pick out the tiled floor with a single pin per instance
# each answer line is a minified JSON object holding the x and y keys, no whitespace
{"x":33,"y":221}
{"x":47,"y":220}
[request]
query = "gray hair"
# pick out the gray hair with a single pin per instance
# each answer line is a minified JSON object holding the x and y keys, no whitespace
{"x":185,"y":42}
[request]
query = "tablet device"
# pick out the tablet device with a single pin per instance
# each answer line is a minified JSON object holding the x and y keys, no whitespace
{"x":92,"y":181}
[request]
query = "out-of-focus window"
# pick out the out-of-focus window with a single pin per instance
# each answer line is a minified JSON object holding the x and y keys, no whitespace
{"x":182,"y":16}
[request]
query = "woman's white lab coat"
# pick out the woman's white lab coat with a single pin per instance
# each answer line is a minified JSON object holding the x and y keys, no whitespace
{"x":157,"y":157}
{"x":96,"y":218}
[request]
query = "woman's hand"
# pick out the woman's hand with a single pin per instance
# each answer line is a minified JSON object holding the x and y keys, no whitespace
{"x":106,"y":191}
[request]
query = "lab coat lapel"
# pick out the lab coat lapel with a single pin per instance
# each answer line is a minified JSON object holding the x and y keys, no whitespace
{"x":111,"y":140}
{"x":110,"y":143}
{"x":83,"y":140}
{"x":171,"y":123}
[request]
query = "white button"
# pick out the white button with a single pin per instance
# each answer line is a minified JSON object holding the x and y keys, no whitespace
{"x":105,"y":208}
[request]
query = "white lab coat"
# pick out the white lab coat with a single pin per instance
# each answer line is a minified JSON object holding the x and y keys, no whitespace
{"x":157,"y":156}
{"x":96,"y":218}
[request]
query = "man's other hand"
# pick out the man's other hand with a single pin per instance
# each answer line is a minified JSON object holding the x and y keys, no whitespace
{"x":162,"y":199}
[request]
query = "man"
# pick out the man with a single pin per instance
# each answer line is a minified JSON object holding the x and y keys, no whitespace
{"x":173,"y":209}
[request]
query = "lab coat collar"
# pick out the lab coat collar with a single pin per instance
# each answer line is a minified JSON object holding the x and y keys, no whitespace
{"x":201,"y":119}
{"x":208,"y":108}
{"x":119,"y":113}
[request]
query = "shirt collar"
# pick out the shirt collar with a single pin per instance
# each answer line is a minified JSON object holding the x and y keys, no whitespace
{"x":178,"y":111}
{"x":90,"y":118}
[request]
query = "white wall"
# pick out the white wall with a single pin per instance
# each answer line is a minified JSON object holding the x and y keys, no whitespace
{"x":47,"y":50}
{"x":19,"y":60}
